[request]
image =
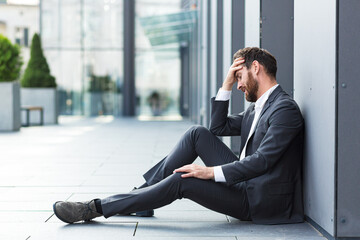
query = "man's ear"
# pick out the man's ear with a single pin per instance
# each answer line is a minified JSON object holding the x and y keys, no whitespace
{"x":255,"y":67}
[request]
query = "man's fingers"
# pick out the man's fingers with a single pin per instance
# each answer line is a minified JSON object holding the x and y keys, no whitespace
{"x":240,"y":59}
{"x":185,"y":168}
{"x":187,"y":175}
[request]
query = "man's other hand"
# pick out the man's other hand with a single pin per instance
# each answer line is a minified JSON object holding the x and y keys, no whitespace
{"x":196,"y":171}
{"x":230,"y":79}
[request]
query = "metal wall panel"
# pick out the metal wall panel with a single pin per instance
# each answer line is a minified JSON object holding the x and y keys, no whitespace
{"x":237,"y":42}
{"x":219,"y":43}
{"x":129,"y":104}
{"x":204,"y":53}
{"x":314,"y":91}
{"x":277,"y":36}
{"x":252,"y":27}
{"x":213,"y":51}
{"x":252,"y":23}
{"x":348,"y":196}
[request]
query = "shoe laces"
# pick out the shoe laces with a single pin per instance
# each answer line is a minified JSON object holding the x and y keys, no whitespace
{"x":88,"y":211}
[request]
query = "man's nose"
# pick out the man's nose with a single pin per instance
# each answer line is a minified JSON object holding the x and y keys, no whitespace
{"x":239,"y":85}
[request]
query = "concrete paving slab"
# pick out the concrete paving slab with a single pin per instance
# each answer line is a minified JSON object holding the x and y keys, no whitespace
{"x":70,"y":189}
{"x":54,"y":180}
{"x":5,"y":181}
{"x":130,"y":181}
{"x":122,"y":169}
{"x":187,"y":238}
{"x":244,"y":229}
{"x":23,"y":217}
{"x":27,"y":206}
{"x":89,"y":231}
{"x":15,"y":231}
{"x":17,"y":195}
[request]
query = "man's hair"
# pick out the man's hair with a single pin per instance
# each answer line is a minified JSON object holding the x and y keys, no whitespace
{"x":263,"y":56}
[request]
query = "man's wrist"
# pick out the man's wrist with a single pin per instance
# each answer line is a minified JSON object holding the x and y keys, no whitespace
{"x":211,"y":173}
{"x":226,"y":87}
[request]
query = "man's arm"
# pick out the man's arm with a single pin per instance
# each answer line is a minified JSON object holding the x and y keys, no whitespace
{"x":221,"y":124}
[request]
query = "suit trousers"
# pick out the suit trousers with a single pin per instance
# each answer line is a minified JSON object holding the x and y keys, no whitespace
{"x":166,"y":186}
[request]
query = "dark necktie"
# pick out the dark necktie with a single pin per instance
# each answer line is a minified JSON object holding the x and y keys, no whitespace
{"x":246,"y":131}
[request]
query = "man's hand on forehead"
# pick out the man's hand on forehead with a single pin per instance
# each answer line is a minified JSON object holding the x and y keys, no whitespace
{"x":230,"y":79}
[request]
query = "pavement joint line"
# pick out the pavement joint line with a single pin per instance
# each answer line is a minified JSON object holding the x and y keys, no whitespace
{"x":49,"y":217}
{"x":137,"y":223}
{"x":227,"y":218}
{"x":72,"y":194}
{"x":28,"y":237}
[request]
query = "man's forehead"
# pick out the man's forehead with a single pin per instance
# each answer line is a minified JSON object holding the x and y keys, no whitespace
{"x":239,"y":72}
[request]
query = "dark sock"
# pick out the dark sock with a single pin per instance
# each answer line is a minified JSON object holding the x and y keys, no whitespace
{"x":144,"y":185}
{"x":98,"y":206}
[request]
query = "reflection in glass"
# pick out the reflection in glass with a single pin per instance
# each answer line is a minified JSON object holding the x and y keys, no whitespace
{"x":103,"y":83}
{"x":84,"y":46}
{"x":157,"y":71}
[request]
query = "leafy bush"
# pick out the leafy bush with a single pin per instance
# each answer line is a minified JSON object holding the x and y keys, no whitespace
{"x":10,"y":60}
{"x":101,"y":84}
{"x":37,"y":73}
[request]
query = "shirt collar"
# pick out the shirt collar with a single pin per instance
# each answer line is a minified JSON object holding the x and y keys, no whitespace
{"x":262,"y":100}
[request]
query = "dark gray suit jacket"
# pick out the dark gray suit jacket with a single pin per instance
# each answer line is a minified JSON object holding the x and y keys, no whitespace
{"x":272,"y":168}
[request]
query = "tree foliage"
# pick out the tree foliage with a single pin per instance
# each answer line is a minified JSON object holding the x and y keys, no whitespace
{"x":10,"y":60}
{"x":37,"y":73}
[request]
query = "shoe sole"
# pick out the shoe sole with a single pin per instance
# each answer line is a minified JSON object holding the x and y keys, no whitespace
{"x":54,"y":209}
{"x":147,"y":213}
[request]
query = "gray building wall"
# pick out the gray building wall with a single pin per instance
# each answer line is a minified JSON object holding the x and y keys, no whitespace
{"x":348,"y":131}
{"x":314,"y":91}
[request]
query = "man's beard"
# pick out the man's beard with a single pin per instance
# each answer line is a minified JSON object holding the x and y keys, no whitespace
{"x":252,"y":88}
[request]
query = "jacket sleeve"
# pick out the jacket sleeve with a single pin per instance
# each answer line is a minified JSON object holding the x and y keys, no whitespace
{"x":221,"y":124}
{"x":285,"y":124}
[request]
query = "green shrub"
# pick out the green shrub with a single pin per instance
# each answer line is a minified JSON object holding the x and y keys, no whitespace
{"x":101,"y":84}
{"x":10,"y":60}
{"x":37,"y":73}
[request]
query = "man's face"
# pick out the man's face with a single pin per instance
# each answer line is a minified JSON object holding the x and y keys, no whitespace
{"x":248,"y":84}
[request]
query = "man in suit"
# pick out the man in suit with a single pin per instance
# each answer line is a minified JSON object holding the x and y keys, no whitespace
{"x":262,"y":185}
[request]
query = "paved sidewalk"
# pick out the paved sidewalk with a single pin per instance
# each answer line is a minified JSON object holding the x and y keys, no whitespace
{"x":84,"y":158}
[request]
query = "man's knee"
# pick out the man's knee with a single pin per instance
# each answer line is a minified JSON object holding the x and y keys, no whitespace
{"x":194,"y":132}
{"x":180,"y":184}
{"x":198,"y":129}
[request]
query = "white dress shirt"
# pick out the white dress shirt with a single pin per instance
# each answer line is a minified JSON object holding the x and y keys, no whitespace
{"x":224,"y":95}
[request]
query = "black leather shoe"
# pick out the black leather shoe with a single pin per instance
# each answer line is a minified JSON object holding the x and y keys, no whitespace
{"x":71,"y":212}
{"x":146,"y":213}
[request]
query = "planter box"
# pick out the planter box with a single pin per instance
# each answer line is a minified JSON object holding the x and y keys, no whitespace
{"x":10,"y":106}
{"x":42,"y":97}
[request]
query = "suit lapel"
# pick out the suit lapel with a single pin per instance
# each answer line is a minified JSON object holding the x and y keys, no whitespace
{"x":247,"y":125}
{"x":268,"y":103}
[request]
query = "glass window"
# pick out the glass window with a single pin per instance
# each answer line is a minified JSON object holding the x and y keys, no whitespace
{"x":50,"y":22}
{"x":157,"y":71}
{"x":103,"y":83}
{"x":103,"y":24}
{"x":84,"y":46}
